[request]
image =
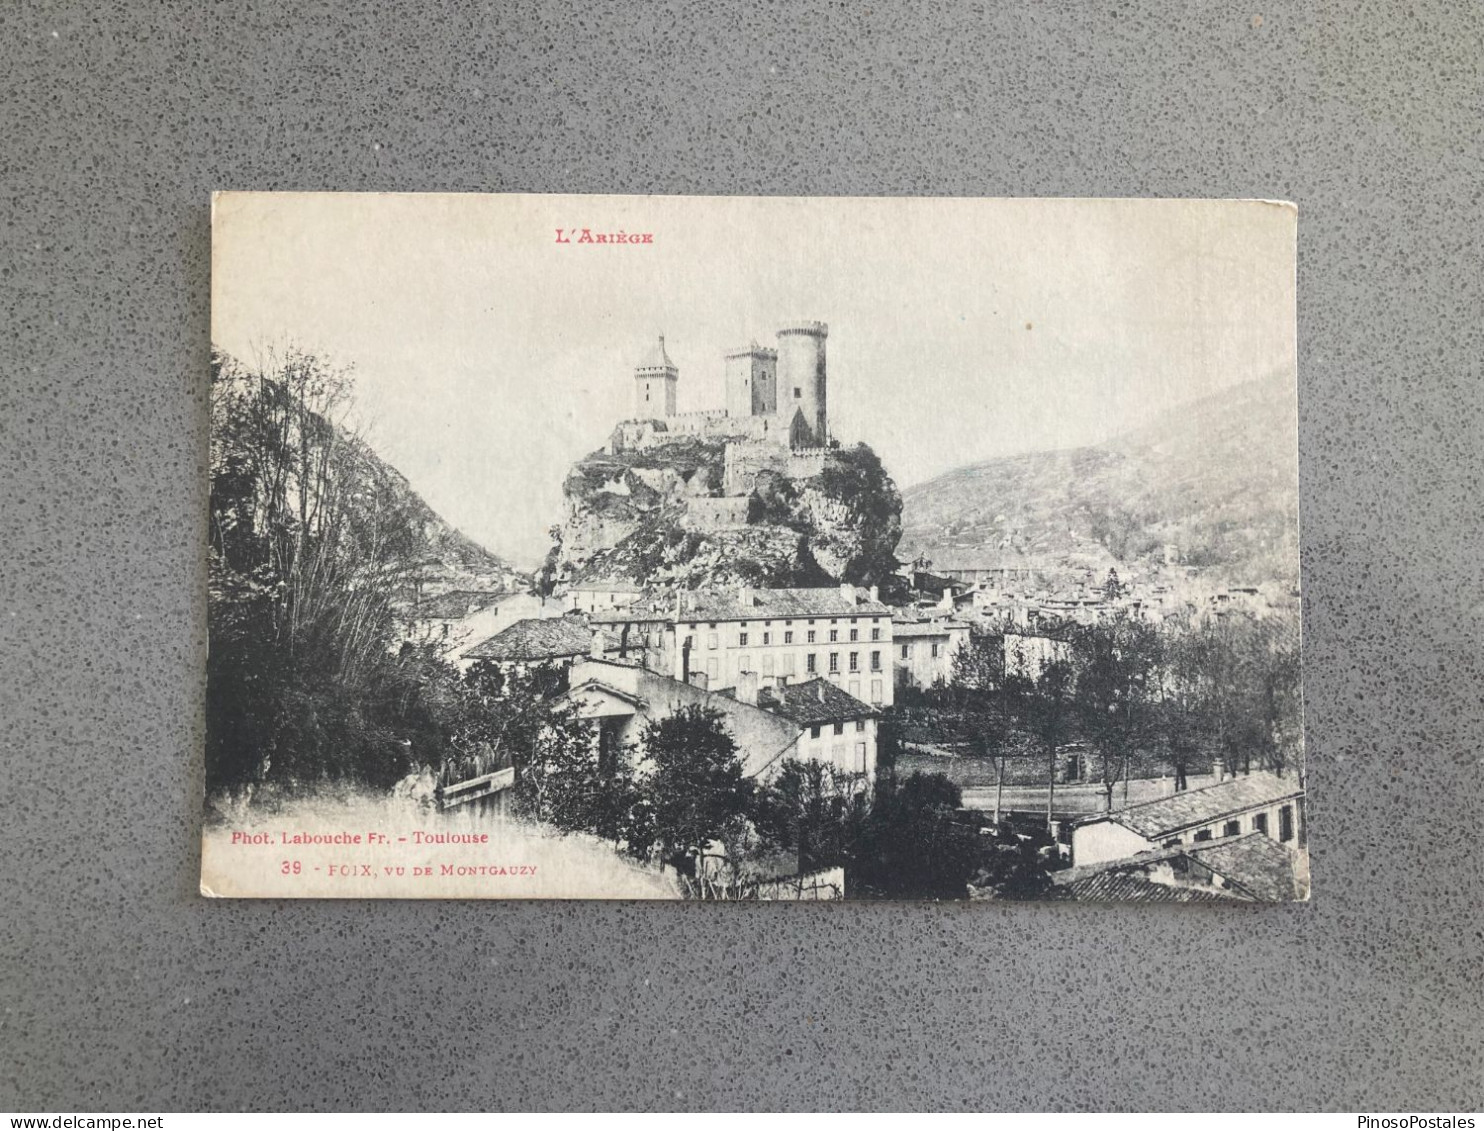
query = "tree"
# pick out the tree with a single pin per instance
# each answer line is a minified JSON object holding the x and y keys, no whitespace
{"x":988,"y":736}
{"x":814,"y":809}
{"x":1044,"y":706}
{"x":1180,"y":717}
{"x":1113,"y":588}
{"x":694,"y":789}
{"x":913,"y":846}
{"x":309,"y":534}
{"x":1117,"y":664}
{"x":980,"y":666}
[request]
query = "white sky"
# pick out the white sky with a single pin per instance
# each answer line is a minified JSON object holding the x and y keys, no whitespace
{"x":488,"y":357}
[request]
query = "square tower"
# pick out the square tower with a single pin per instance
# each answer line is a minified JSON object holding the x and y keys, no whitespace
{"x":752,"y":382}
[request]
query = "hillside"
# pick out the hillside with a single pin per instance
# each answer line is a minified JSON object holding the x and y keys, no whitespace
{"x":1215,"y":480}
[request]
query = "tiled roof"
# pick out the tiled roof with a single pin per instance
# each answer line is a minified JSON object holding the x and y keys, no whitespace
{"x":1204,"y":806}
{"x":899,"y":629}
{"x":1258,"y":867}
{"x":531,"y":640}
{"x":1256,"y":862}
{"x":777,"y":604}
{"x":454,"y":605}
{"x":812,"y":703}
{"x":1126,"y":887}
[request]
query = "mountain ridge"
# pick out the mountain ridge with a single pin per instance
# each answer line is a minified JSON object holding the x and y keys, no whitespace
{"x":1209,"y":483}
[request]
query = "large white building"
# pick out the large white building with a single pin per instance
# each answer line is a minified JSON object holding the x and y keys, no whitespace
{"x":842,"y":634}
{"x":1259,"y":802}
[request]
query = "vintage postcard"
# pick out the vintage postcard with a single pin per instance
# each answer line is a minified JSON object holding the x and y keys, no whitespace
{"x":753,"y":549}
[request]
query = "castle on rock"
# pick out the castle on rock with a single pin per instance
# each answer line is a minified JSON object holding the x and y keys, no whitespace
{"x":777,"y":397}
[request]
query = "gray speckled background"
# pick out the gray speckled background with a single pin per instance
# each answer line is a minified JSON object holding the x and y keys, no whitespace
{"x":123,"y":990}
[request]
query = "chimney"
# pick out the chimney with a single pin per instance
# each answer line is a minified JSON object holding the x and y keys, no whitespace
{"x":875,"y":593}
{"x":598,"y":646}
{"x":819,"y":690}
{"x":747,"y":687}
{"x":744,"y":596}
{"x":847,"y":591}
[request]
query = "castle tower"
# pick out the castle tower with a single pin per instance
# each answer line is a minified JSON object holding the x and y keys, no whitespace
{"x":801,"y":376}
{"x":654,"y":384}
{"x":752,"y":381}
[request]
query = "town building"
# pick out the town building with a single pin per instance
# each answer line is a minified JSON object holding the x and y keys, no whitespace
{"x":601,"y":596}
{"x":924,"y":646}
{"x":842,"y":634}
{"x":1260,"y":802}
{"x":532,"y":643}
{"x":810,"y":721}
{"x":1249,"y":866}
{"x":1030,"y":650}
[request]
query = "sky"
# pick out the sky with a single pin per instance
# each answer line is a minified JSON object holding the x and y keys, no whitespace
{"x":488,"y":356}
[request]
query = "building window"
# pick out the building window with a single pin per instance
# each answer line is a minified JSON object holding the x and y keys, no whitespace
{"x":1231,"y":828}
{"x":855,"y":661}
{"x":839,"y":728}
{"x":834,"y":661}
{"x":1259,"y":822}
{"x":860,"y":725}
{"x":713,"y":669}
{"x":767,"y":638}
{"x":904,"y":650}
{"x":741,"y":640}
{"x":876,"y":692}
{"x":1285,"y":823}
{"x":711,"y":640}
{"x":787,"y":666}
{"x":744,"y":663}
{"x":935,"y":649}
{"x":875,"y":634}
{"x":1203,"y":834}
{"x":875,"y":661}
{"x":811,"y":663}
{"x":813,"y":732}
{"x":788,"y":637}
{"x":798,"y":392}
{"x":855,"y":634}
{"x":809,"y":637}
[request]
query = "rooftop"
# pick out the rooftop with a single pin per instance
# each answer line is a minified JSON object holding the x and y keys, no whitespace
{"x":1203,"y":806}
{"x":533,"y":640}
{"x":1257,"y":866}
{"x":1127,"y":887}
{"x":813,"y":702}
{"x":1262,"y":866}
{"x":655,"y":357}
{"x":453,"y":605}
{"x":770,"y":604}
{"x":934,"y":627}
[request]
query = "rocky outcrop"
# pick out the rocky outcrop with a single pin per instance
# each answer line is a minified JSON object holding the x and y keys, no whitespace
{"x":661,"y":517}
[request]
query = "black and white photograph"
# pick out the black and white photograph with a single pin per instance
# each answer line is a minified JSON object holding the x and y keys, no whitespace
{"x":730,"y":548}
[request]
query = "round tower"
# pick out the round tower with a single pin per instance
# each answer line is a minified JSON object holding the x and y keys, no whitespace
{"x":751,"y":377}
{"x":655,"y":378}
{"x":801,"y":376}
